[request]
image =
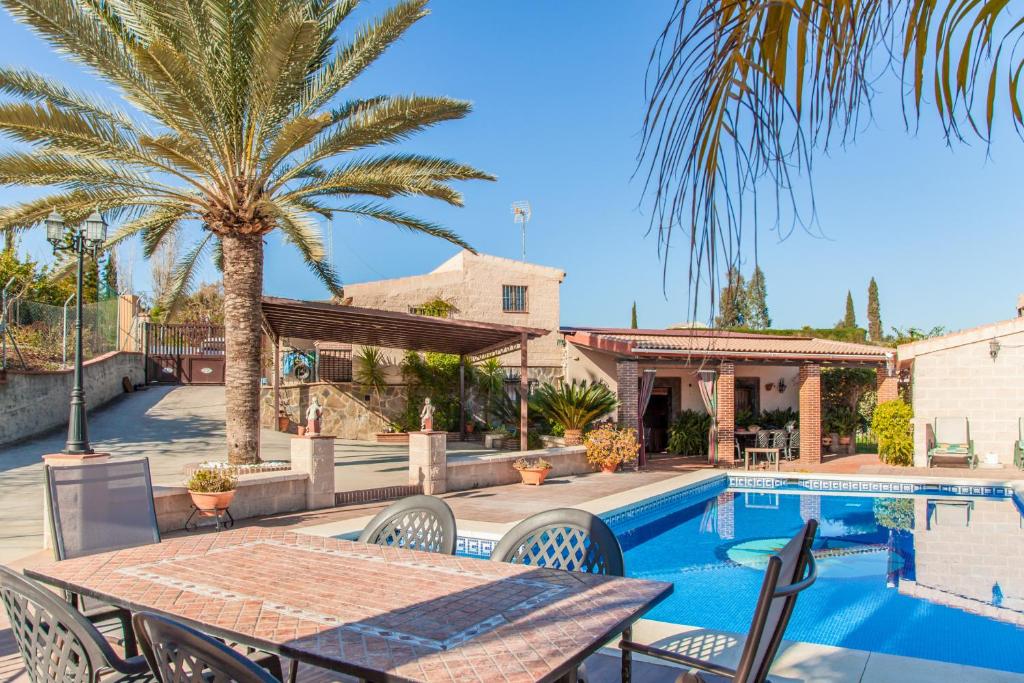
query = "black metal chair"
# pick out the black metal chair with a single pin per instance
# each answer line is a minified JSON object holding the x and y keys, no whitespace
{"x":565,"y":538}
{"x":177,"y":653}
{"x":789,"y":572}
{"x":417,"y":523}
{"x":56,"y":642}
{"x":96,"y":508}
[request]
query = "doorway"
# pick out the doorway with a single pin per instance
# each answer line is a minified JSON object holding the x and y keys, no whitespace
{"x":656,"y":419}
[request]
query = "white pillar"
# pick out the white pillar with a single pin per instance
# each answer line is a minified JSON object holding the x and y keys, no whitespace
{"x":314,"y":455}
{"x":428,"y":461}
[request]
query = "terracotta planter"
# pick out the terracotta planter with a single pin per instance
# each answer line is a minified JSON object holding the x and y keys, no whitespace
{"x":470,"y":427}
{"x":609,"y":468}
{"x":845,"y":440}
{"x":534,"y":476}
{"x":573,"y":437}
{"x":826,"y":441}
{"x":283,"y":423}
{"x":209,"y":503}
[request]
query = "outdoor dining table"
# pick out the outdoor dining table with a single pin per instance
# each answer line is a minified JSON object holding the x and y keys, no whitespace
{"x":379,"y":613}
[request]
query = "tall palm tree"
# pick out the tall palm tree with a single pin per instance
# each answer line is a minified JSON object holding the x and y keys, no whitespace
{"x":236,"y":124}
{"x":742,"y":92}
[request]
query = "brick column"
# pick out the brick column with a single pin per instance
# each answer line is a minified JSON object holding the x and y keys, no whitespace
{"x":726,"y":412}
{"x":627,"y":379}
{"x":810,"y":413}
{"x":887,"y":385}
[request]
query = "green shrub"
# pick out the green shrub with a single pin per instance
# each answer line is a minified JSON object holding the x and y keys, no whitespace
{"x":778,"y":419}
{"x":211,"y":481}
{"x":745,"y":418}
{"x":891,"y":425}
{"x":894,"y":513}
{"x":573,"y":405}
{"x":841,"y":420}
{"x":688,"y":434}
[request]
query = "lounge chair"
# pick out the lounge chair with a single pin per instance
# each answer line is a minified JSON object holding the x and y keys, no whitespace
{"x":952,"y":438}
{"x":789,"y":572}
{"x":1018,"y":446}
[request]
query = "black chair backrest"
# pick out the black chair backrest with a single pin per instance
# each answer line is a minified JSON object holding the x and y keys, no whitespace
{"x":789,"y":572}
{"x":417,"y":523}
{"x":101,"y":507}
{"x":57,"y":643}
{"x":564,"y":538}
{"x":779,"y":438}
{"x":178,"y":653}
{"x":762,"y":438}
{"x":794,"y":439}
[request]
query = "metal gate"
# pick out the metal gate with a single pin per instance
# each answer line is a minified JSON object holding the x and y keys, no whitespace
{"x":184,"y":354}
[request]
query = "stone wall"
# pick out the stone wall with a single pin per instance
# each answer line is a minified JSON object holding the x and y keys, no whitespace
{"x":258,"y":495}
{"x":496,"y":470}
{"x":32,"y":403}
{"x":347,"y":414}
{"x":956,"y":376}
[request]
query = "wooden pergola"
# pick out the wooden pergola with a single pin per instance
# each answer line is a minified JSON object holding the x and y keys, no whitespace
{"x":467,"y":339}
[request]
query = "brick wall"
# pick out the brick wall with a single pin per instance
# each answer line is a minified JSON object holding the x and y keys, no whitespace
{"x":810,"y":413}
{"x":726,"y":412}
{"x":628,"y":389}
{"x":887,"y":385}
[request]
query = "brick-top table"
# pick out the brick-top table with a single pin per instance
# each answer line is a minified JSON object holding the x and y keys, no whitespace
{"x":384,"y":614}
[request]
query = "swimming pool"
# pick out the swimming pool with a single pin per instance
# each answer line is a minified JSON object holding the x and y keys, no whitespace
{"x":930,"y":575}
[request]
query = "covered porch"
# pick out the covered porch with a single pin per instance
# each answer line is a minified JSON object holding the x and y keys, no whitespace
{"x":660,"y":373}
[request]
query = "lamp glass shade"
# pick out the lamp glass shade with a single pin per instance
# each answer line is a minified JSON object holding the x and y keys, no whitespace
{"x":95,"y":229}
{"x":54,"y":227}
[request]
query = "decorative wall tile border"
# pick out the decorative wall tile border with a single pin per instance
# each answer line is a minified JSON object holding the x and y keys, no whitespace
{"x":865,"y":486}
{"x":672,"y":498}
{"x":475,"y":547}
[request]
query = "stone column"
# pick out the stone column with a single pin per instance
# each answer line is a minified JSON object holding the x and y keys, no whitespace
{"x":726,"y":417}
{"x":810,"y":413}
{"x":61,"y":460}
{"x":428,"y":461}
{"x":314,"y":456}
{"x":887,"y":385}
{"x":627,"y":378}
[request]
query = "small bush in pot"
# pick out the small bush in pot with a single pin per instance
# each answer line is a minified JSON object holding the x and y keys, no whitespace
{"x":211,"y":489}
{"x":608,"y":447}
{"x":534,"y":471}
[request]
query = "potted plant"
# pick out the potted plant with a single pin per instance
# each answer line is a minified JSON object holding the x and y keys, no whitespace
{"x":608,"y":447}
{"x":573,"y":406}
{"x":844,"y":423}
{"x":211,"y":489}
{"x":495,"y":438}
{"x":533,"y":472}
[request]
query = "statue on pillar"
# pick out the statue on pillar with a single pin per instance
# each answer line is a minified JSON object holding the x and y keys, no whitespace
{"x":427,"y":416}
{"x":313,"y":414}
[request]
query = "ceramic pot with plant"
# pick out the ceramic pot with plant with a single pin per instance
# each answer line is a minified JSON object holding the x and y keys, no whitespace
{"x":212,"y":490}
{"x":608,"y":447}
{"x":532,"y":472}
{"x":573,"y":406}
{"x":844,"y":422}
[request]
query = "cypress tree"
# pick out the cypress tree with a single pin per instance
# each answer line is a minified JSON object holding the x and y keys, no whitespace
{"x":850,"y":319}
{"x":874,"y":313}
{"x":732,"y":301}
{"x":110,"y":287}
{"x":632,"y":319}
{"x":757,"y":301}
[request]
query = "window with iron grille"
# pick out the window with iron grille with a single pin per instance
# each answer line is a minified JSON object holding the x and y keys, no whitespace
{"x":513,"y":298}
{"x":335,"y":365}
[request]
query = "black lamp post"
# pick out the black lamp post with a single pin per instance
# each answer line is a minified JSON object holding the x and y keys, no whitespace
{"x":88,"y":237}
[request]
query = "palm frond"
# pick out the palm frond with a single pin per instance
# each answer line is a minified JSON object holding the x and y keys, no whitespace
{"x":183,"y":277}
{"x":386,"y":214}
{"x":36,"y":87}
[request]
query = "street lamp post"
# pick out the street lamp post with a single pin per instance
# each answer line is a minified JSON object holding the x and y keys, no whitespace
{"x":88,"y":237}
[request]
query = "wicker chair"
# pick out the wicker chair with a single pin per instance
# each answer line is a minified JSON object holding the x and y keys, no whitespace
{"x":96,"y":508}
{"x":789,"y":572}
{"x":573,"y":540}
{"x":418,"y":523}
{"x":178,"y":653}
{"x":56,"y":642}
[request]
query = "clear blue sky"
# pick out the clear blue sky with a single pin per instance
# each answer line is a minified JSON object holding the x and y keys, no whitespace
{"x":558,"y":95}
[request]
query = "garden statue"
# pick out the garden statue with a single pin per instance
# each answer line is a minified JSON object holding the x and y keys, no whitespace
{"x":427,"y":416}
{"x":313,"y":414}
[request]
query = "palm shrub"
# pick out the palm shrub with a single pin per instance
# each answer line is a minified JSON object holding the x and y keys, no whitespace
{"x":574,"y":405}
{"x":892,"y":426}
{"x":370,"y":370}
{"x":688,"y":434}
{"x":779,"y":418}
{"x":236,"y":124}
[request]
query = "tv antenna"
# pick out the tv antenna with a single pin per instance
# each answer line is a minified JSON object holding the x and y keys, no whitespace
{"x":521,"y":214}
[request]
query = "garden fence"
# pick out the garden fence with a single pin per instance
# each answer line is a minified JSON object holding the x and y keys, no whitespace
{"x":45,"y":334}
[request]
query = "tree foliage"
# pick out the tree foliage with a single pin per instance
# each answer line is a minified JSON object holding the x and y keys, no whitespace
{"x":874,"y":313}
{"x":632,"y":317}
{"x":733,"y":309}
{"x":757,"y":301}
{"x":892,"y":426}
{"x":849,"y":320}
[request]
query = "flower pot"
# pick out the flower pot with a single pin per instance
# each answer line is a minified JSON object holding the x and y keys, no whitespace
{"x":845,"y":440}
{"x":282,"y":423}
{"x":209,"y":503}
{"x":573,"y":437}
{"x":534,"y":476}
{"x":470,"y":427}
{"x":609,"y":468}
{"x":826,"y":441}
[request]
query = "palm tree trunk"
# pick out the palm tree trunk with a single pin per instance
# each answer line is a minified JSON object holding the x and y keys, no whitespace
{"x":243,"y":289}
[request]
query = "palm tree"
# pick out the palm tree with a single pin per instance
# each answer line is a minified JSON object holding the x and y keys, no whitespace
{"x":574,"y":405}
{"x":742,"y":92}
{"x":236,"y":124}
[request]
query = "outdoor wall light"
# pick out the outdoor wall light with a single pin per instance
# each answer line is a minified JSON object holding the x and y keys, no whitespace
{"x":782,"y":385}
{"x":993,"y":348}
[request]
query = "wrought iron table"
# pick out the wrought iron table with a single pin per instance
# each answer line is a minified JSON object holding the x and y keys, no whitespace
{"x":383,"y":614}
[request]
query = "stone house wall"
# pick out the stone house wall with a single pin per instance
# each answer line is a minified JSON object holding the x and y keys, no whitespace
{"x":347,"y":414}
{"x":956,"y":376}
{"x":32,"y":403}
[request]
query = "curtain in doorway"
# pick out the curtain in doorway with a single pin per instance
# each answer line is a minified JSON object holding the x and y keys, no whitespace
{"x":707,"y":382}
{"x":644,"y":396}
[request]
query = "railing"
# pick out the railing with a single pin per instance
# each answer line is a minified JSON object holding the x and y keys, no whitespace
{"x":164,"y":339}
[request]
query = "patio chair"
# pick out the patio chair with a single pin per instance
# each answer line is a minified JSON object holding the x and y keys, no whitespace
{"x":793,"y":446}
{"x":789,"y":572}
{"x":417,"y":522}
{"x":57,"y":643}
{"x":177,"y":653}
{"x":564,"y":538}
{"x":952,"y":438}
{"x":1018,"y":446}
{"x":96,"y":508}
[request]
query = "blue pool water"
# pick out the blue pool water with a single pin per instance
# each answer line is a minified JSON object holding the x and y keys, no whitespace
{"x":914,"y":576}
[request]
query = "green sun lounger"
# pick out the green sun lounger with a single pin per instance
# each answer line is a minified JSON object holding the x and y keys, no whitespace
{"x":952,"y":439}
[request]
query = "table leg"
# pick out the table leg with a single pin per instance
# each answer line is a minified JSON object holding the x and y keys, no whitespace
{"x":293,"y":671}
{"x":777,"y":454}
{"x":627,"y":658}
{"x":746,"y":460}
